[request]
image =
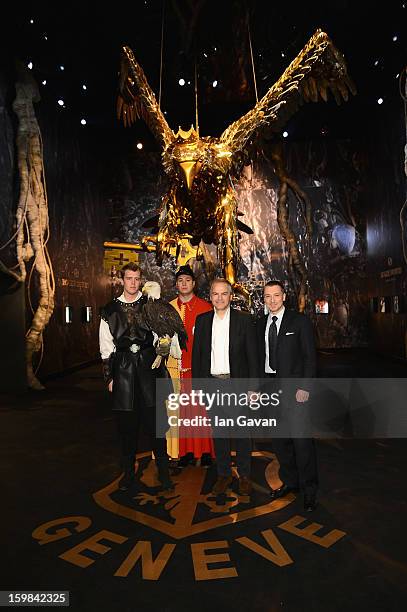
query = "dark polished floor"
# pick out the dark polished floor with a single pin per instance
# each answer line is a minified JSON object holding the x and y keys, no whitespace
{"x":136,"y":551}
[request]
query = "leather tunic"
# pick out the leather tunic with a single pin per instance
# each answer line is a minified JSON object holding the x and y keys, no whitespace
{"x":130,"y":363}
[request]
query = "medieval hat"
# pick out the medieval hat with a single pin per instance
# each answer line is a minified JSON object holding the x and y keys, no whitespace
{"x":185,"y":270}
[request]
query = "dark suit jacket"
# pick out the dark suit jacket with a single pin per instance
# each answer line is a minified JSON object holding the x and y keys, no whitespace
{"x":296,"y":355}
{"x":243,"y":350}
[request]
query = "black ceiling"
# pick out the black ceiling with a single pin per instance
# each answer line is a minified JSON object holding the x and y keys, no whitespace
{"x":86,"y":40}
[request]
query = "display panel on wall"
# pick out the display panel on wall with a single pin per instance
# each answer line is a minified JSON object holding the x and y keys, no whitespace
{"x":388,"y":304}
{"x":321,"y":307}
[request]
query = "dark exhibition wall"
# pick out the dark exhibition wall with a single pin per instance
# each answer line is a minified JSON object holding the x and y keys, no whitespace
{"x":349,"y":160}
{"x":93,"y":509}
{"x":78,"y":214}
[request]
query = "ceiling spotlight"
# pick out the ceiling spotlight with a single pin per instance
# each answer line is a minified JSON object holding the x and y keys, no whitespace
{"x":397,"y":75}
{"x":139,"y":145}
{"x":30,"y":65}
{"x":376,"y":63}
{"x":380,"y":101}
{"x":285,"y":134}
{"x":62,"y":67}
{"x":31,"y":20}
{"x":61,"y":102}
{"x":83,"y":121}
{"x":45,"y":37}
{"x":215,"y":84}
{"x":205,"y":55}
{"x":282,"y":54}
{"x":44,"y":82}
{"x":84,"y":87}
{"x":181,"y":82}
{"x":394,"y":38}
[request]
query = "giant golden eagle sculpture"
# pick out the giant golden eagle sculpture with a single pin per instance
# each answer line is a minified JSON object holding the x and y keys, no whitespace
{"x":201,"y":203}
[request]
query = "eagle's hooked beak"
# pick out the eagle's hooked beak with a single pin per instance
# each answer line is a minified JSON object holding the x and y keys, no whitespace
{"x":190,"y":170}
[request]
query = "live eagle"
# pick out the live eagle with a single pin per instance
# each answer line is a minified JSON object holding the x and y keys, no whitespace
{"x":162,"y":319}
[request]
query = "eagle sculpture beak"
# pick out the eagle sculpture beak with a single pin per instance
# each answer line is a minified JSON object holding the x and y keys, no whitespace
{"x":190,"y":170}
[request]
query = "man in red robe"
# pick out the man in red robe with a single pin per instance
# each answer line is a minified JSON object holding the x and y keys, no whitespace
{"x":189,"y":306}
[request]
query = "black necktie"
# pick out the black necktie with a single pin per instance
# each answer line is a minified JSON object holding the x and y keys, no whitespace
{"x":273,"y":345}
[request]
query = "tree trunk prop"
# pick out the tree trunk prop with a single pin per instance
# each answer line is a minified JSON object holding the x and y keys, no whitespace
{"x":32,"y":217}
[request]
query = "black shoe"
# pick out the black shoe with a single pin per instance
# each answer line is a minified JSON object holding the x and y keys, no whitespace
{"x":206,"y":460}
{"x":186,"y":460}
{"x":309,"y":503}
{"x":282,"y":491}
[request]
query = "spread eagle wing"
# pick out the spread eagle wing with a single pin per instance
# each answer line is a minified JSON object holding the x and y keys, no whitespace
{"x":317,"y":69}
{"x":136,"y":99}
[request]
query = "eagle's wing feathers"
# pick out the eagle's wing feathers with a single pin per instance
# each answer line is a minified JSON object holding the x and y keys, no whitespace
{"x":164,"y":320}
{"x":319,"y":67}
{"x":136,"y":99}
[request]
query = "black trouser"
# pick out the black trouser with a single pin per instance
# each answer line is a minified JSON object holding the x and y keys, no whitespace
{"x":222,"y":447}
{"x":298,"y":463}
{"x":129,"y":425}
{"x":297,"y":454}
{"x":243,"y":456}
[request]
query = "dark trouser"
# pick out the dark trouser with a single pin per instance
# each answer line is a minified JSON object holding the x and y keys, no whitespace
{"x":129,"y":424}
{"x":298,"y":463}
{"x":243,"y":447}
{"x":243,"y":456}
{"x":296,"y":455}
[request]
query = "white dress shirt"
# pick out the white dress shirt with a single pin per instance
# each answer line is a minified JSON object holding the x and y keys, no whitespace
{"x":106,"y":343}
{"x":220,"y":344}
{"x":279,"y":316}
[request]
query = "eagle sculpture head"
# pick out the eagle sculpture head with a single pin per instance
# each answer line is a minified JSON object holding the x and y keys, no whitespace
{"x":152,"y":290}
{"x":187,"y":152}
{"x":189,"y":157}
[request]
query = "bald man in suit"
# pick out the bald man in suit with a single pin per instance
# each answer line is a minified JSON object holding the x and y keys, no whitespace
{"x":225,"y":347}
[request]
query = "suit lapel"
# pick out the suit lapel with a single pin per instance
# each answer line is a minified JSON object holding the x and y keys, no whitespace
{"x":262,"y":333}
{"x":232,"y":336}
{"x":285,"y":323}
{"x":208,"y":331}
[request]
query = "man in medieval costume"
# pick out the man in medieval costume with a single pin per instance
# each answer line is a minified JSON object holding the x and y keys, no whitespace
{"x":189,"y":306}
{"x":128,"y":349}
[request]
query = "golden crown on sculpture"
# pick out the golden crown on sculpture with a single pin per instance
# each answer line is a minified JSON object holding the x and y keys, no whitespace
{"x":191,"y":135}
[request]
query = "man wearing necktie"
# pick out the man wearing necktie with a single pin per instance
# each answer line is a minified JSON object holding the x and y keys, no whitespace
{"x":287,"y":350}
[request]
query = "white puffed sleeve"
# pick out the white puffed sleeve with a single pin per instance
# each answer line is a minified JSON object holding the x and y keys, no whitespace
{"x":106,"y":343}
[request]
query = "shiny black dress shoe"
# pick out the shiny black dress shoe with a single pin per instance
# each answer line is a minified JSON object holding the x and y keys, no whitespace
{"x":309,"y":503}
{"x":283,"y":490}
